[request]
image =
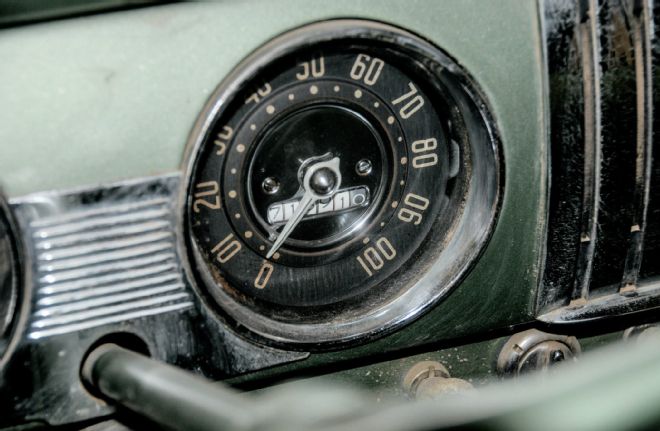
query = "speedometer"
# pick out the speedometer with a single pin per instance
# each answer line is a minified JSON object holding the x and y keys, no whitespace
{"x":339,"y":183}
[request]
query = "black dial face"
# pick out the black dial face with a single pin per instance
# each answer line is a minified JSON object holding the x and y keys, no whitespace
{"x":327,"y":174}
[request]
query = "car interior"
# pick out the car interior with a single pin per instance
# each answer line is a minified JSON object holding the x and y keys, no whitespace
{"x":329,"y":215}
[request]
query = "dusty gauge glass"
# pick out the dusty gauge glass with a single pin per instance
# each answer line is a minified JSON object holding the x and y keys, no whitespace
{"x":339,"y":182}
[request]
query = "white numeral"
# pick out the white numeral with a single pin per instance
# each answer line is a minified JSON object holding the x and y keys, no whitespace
{"x":374,"y":256}
{"x":315,"y":68}
{"x":264,"y":275}
{"x":259,"y":94}
{"x":413,"y":102}
{"x":222,"y":139}
{"x":226,"y":249}
{"x":417,"y":203}
{"x":427,"y":158}
{"x":202,"y":190}
{"x":367,"y":69}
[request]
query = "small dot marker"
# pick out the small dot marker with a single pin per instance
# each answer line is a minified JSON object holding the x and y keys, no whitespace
{"x":270,"y":109}
{"x":382,"y":224}
{"x":390,"y":120}
{"x":237,"y":215}
{"x":291,"y":96}
{"x":336,"y":88}
{"x":365,"y":241}
{"x":253,"y":127}
{"x":395,"y":204}
{"x":276,"y":255}
{"x":376,"y":104}
{"x":400,"y":139}
{"x":357,"y":94}
{"x":248,"y":234}
{"x":233,"y":171}
{"x":404,"y":160}
{"x":232,"y":194}
{"x":262,"y":248}
{"x":313,"y":89}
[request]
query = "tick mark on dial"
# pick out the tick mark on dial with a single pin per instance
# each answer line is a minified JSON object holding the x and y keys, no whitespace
{"x":270,"y":109}
{"x":390,"y":120}
{"x":404,"y":160}
{"x":336,"y":88}
{"x":232,"y":194}
{"x":248,"y":234}
{"x":253,"y":127}
{"x":395,"y":204}
{"x":240,"y":148}
{"x":237,"y":216}
{"x":376,"y":104}
{"x":313,"y":89}
{"x":357,"y":94}
{"x":291,"y":96}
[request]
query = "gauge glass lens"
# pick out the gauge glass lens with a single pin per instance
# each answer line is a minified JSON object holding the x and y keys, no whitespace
{"x":329,"y":170}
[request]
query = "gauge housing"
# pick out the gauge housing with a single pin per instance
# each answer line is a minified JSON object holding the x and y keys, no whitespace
{"x":439,"y":258}
{"x":11,"y":297}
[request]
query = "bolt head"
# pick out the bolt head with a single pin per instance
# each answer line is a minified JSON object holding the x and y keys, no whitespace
{"x":363,"y":167}
{"x":270,"y":185}
{"x":323,"y":181}
{"x":557,"y":356}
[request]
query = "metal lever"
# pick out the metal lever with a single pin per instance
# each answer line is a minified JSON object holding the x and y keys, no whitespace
{"x":165,"y":394}
{"x":582,"y":392}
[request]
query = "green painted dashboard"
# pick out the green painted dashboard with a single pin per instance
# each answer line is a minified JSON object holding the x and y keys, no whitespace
{"x":111,"y":97}
{"x":99,"y":99}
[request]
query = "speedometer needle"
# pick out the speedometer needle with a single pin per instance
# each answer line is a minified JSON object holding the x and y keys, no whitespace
{"x":321,"y":181}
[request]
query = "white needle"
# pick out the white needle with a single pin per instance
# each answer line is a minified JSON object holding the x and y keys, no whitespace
{"x":307,"y":201}
{"x":311,"y":195}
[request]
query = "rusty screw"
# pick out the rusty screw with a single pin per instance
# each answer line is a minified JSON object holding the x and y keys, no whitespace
{"x":430,"y":379}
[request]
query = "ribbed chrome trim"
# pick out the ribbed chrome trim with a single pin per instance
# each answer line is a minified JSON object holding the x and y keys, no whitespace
{"x":107,"y":320}
{"x":103,"y":262}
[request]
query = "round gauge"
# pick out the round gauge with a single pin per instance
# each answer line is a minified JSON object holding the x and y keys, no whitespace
{"x":339,"y":183}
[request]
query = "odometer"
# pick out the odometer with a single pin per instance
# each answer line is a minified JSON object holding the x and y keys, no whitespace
{"x":332,"y":172}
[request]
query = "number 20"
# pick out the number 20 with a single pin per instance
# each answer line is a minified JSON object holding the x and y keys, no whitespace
{"x":206,"y":195}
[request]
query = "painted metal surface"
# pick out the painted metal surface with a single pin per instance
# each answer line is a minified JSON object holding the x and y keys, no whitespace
{"x":103,"y":98}
{"x":121,"y":91}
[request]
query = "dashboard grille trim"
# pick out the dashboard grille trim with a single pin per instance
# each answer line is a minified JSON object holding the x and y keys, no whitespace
{"x":102,"y":261}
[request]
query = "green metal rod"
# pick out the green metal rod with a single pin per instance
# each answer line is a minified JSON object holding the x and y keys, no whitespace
{"x":586,"y":396}
{"x":168,"y":396}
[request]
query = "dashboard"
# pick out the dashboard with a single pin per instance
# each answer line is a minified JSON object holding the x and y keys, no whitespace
{"x":414,"y":197}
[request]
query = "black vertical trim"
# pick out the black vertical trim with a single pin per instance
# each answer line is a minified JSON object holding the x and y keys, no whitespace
{"x":589,"y":43}
{"x":644,"y":141}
